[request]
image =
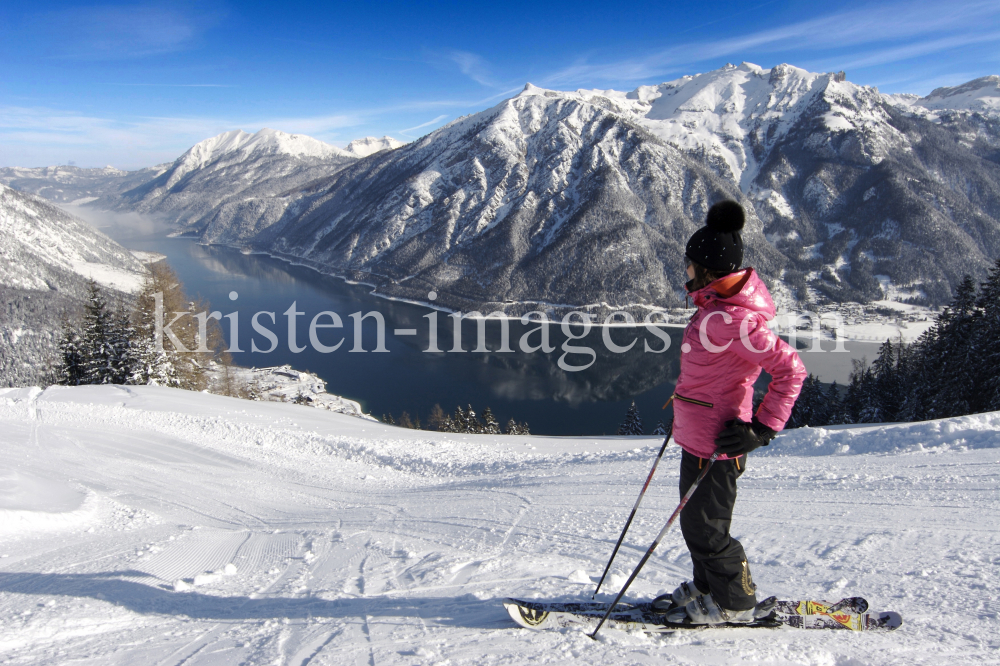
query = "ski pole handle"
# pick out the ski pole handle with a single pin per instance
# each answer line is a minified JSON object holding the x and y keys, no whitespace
{"x":656,"y":541}
{"x":635,"y":508}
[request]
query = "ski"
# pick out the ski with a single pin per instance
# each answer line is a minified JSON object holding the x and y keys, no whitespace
{"x":848,"y":614}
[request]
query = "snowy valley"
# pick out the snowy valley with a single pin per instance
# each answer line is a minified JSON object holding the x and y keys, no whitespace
{"x":150,"y":525}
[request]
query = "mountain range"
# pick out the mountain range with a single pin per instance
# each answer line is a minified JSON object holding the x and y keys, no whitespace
{"x":587,"y":197}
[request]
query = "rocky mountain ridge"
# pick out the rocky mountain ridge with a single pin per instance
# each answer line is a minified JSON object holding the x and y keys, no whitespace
{"x":586,"y":197}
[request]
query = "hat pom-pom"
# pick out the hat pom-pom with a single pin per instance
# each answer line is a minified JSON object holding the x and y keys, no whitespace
{"x":725,"y":217}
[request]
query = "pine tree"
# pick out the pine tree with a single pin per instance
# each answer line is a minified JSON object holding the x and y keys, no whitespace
{"x":511,"y":427}
{"x":71,"y":371}
{"x":661,"y":430}
{"x":921,"y":365}
{"x":956,"y":374}
{"x":490,"y":425}
{"x":854,"y":400}
{"x":832,"y":406}
{"x":152,"y":366}
{"x":473,"y":424}
{"x":632,"y":425}
{"x":869,"y":401}
{"x":460,"y":420}
{"x":887,"y":387}
{"x":447,"y":424}
{"x":986,"y":337}
{"x":388,"y":420}
{"x":123,"y":343}
{"x":97,"y":339}
{"x":808,"y":406}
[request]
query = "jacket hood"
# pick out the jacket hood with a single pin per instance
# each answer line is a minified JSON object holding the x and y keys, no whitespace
{"x":743,"y":289}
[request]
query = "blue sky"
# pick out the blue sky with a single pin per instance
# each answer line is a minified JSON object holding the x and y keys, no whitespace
{"x":133,"y":85}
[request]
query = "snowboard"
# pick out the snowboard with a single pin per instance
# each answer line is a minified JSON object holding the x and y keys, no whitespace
{"x":849,"y":614}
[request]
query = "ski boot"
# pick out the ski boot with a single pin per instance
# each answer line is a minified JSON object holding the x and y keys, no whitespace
{"x":703,"y":609}
{"x":679,"y":598}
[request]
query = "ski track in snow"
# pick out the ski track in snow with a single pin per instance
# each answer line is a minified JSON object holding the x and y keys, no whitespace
{"x":154,"y":526}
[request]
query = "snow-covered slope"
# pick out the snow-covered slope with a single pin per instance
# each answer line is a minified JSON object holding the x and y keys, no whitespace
{"x":43,"y":248}
{"x":980,"y":95}
{"x":46,"y":256}
{"x":370,"y":145}
{"x":736,"y":115}
{"x":150,"y":525}
{"x":230,"y":169}
{"x":242,"y":146}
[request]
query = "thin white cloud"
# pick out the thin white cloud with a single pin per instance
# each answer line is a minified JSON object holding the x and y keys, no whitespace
{"x":473,"y":66}
{"x":31,"y":134}
{"x":922,"y":83}
{"x":406,"y":132}
{"x":933,"y":28}
{"x":117,"y":32}
{"x":316,"y":126}
{"x":922,"y":48}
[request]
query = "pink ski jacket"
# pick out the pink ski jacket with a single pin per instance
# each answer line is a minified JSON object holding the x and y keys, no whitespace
{"x":727,"y":342}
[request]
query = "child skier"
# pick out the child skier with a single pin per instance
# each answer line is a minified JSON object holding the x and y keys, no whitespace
{"x":725,"y":345}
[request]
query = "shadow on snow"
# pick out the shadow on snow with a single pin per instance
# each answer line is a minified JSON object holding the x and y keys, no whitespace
{"x":464,"y":611}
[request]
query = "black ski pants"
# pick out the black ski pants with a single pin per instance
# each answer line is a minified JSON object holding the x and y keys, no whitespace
{"x":720,"y":565}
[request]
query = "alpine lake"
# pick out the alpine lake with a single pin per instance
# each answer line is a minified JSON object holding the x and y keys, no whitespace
{"x":529,"y":387}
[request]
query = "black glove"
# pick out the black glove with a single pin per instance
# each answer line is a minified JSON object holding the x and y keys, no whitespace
{"x":741,"y":437}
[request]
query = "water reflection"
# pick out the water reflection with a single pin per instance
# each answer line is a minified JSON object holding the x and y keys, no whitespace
{"x":226,"y":261}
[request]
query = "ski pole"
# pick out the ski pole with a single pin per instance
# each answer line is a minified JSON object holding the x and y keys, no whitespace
{"x":635,"y":508}
{"x":656,"y":542}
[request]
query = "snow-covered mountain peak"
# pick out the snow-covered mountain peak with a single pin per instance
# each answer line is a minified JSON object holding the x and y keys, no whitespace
{"x":982,"y":95}
{"x":266,"y":140}
{"x":370,"y":145}
{"x":531,"y":89}
{"x":724,"y":113}
{"x":239,"y":144}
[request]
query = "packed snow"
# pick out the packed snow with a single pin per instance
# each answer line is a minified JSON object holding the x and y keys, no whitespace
{"x":153,"y":525}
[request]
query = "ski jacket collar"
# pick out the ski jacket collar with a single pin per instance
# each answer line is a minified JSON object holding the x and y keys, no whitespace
{"x":743,"y":289}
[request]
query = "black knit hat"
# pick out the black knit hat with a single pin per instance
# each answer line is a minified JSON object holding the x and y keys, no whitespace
{"x":718,"y":245}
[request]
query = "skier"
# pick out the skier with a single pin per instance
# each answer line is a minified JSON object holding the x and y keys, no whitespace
{"x":725,"y":345}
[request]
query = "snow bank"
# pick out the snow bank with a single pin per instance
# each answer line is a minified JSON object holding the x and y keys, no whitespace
{"x":977,"y":431}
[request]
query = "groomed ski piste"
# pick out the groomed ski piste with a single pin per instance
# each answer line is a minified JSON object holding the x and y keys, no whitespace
{"x":144,"y":525}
